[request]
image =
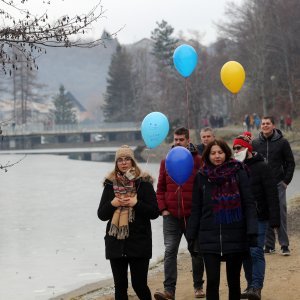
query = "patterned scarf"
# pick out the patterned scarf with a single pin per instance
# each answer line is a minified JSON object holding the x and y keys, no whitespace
{"x":225,"y":194}
{"x":123,"y":187}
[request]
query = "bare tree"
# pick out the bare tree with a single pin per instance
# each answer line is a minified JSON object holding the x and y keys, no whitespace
{"x":266,"y":39}
{"x":27,"y":37}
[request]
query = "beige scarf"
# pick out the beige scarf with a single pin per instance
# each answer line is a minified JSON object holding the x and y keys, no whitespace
{"x":123,"y":187}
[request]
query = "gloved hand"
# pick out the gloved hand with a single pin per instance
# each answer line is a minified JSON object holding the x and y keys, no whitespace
{"x":252,"y":240}
{"x":192,"y":247}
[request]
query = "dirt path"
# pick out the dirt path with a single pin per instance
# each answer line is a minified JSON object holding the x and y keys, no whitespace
{"x":282,"y":280}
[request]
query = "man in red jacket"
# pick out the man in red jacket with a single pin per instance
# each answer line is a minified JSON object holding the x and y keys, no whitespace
{"x":175,"y":212}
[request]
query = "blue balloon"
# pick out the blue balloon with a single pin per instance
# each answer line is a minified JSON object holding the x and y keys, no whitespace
{"x":154,"y":128}
{"x":179,"y":164}
{"x":185,"y":60}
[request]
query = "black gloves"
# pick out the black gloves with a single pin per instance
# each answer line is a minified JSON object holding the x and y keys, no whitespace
{"x":193,"y":247}
{"x":252,"y":240}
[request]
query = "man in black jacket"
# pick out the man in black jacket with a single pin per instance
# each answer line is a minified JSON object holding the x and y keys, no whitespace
{"x":267,"y":204}
{"x":206,"y":136}
{"x":278,"y":154}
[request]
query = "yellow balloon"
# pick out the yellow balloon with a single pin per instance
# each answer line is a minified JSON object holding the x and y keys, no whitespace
{"x":233,"y":76}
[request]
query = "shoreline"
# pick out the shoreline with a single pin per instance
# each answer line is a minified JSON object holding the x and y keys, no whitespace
{"x":106,"y":286}
{"x":280,"y":275}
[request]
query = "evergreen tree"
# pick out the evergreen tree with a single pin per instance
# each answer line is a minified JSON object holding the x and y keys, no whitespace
{"x":167,"y":87}
{"x":164,"y":44}
{"x":119,"y":96}
{"x":64,"y":109}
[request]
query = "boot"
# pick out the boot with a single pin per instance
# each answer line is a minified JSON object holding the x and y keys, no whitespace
{"x":254,"y":294}
{"x":244,"y":294}
{"x":165,"y":295}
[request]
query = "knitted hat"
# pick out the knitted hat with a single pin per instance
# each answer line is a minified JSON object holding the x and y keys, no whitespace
{"x":124,"y":151}
{"x":244,"y":140}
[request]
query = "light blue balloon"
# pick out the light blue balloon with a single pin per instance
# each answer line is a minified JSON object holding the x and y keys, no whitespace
{"x":154,"y":128}
{"x":185,"y":59}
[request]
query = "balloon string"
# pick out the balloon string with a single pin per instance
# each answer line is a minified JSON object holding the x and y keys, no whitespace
{"x":182,"y":204}
{"x":180,"y":201}
{"x":148,"y":155}
{"x":187,"y":102}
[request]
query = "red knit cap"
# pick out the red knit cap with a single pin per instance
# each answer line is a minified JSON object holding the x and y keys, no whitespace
{"x":244,"y":140}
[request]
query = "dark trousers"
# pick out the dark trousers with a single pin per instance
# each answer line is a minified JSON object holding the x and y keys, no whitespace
{"x":233,"y":270}
{"x":139,"y":275}
{"x":173,"y":229}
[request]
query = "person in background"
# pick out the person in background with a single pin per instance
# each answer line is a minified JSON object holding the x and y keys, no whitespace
{"x":251,"y":117}
{"x":175,"y":212}
{"x":223,"y":217}
{"x":278,"y":154}
{"x":128,"y":203}
{"x":265,"y":195}
{"x":256,"y":121}
{"x":247,"y":122}
{"x":282,"y":123}
{"x":288,"y":123}
{"x":206,"y":136}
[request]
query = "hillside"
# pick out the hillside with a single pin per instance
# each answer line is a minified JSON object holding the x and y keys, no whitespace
{"x":82,"y":71}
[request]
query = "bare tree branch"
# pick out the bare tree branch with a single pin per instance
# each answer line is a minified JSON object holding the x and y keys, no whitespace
{"x":9,"y":164}
{"x":26,"y":38}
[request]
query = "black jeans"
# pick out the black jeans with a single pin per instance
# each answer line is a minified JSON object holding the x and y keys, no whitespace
{"x":139,"y":275}
{"x":233,"y":270}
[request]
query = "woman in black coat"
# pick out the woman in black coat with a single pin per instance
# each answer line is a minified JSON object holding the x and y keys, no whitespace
{"x":223,"y":217}
{"x":128,"y":203}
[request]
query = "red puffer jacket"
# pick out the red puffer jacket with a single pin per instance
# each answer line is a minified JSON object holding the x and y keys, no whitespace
{"x":168,"y":193}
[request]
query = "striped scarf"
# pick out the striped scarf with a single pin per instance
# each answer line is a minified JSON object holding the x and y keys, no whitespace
{"x":225,"y":193}
{"x":123,"y":187}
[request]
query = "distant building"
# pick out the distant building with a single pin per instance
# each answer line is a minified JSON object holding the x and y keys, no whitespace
{"x":81,"y":113}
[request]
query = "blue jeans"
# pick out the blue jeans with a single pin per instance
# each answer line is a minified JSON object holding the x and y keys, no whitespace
{"x":173,"y":230}
{"x":255,"y":264}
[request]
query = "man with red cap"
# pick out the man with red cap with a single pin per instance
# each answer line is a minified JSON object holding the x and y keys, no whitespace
{"x":267,"y":203}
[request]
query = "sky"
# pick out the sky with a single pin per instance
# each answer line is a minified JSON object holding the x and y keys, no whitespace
{"x":138,"y":18}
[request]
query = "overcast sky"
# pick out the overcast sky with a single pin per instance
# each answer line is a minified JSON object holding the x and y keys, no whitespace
{"x":140,"y":16}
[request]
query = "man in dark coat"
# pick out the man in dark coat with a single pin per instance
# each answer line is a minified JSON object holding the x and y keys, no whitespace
{"x":175,"y":207}
{"x":206,"y":136}
{"x":267,"y":204}
{"x":278,"y":154}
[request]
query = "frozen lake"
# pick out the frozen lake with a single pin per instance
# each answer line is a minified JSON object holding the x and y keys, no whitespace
{"x":51,"y":240}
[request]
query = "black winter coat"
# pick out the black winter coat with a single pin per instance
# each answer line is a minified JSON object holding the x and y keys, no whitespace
{"x":216,"y":238}
{"x":278,"y":154}
{"x":139,"y":242}
{"x":264,"y":190}
{"x":200,"y":148}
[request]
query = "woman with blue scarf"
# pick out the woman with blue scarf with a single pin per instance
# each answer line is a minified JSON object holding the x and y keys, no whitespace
{"x":223,"y":218}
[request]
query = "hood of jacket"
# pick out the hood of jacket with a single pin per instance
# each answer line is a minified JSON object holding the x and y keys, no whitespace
{"x":277,"y":135}
{"x":191,"y":147}
{"x":144,"y":176}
